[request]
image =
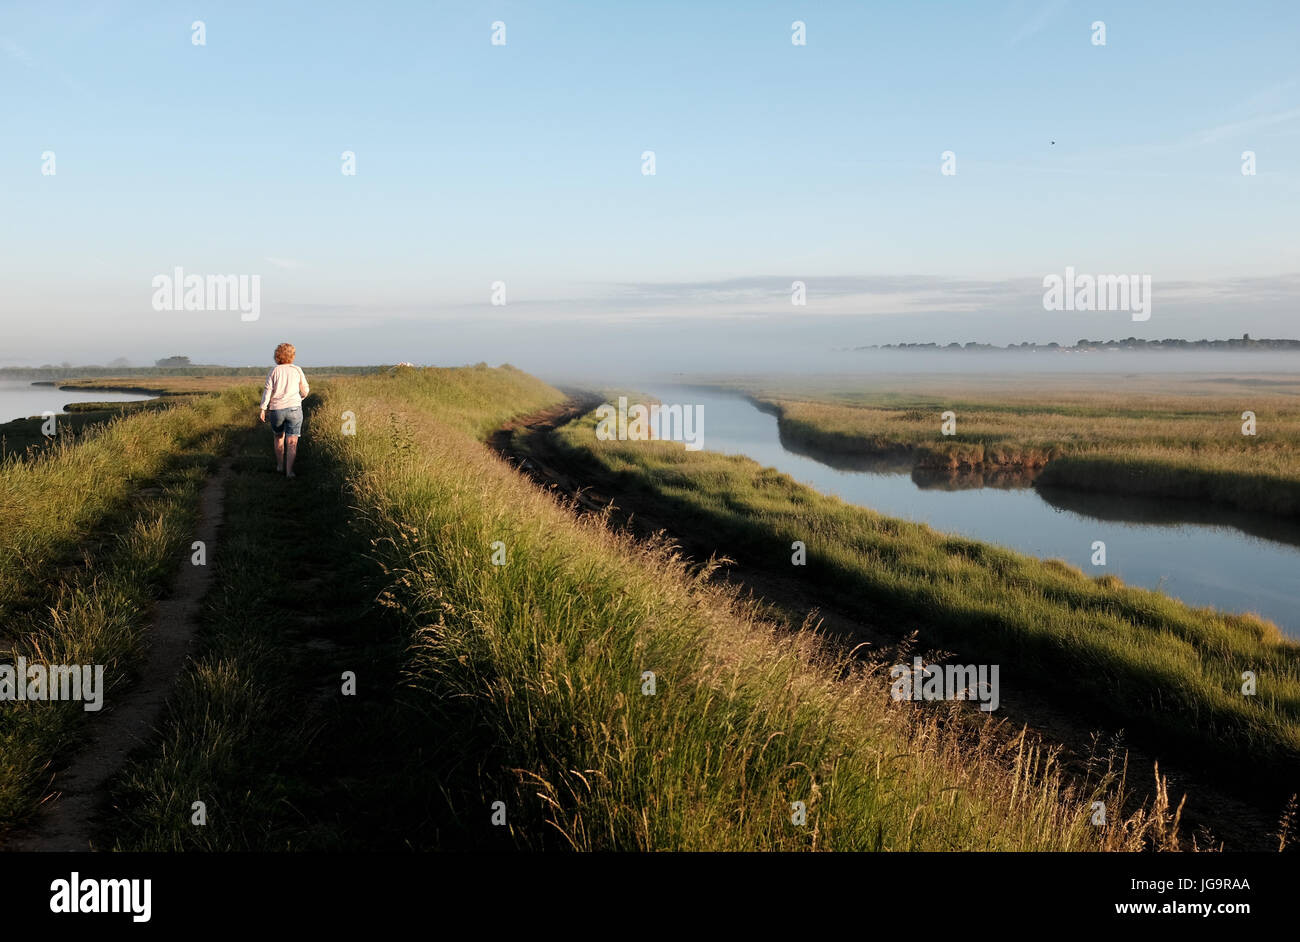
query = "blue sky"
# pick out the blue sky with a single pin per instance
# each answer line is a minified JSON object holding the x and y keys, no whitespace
{"x":522,"y":163}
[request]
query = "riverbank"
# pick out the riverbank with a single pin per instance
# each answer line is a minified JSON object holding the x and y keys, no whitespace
{"x":1108,"y":654}
{"x":161,"y":385}
{"x":194,"y":383}
{"x":26,"y":438}
{"x":1228,"y":440}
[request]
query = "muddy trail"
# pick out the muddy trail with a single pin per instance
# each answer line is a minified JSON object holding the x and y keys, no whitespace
{"x":67,"y":820}
{"x":1214,"y":816}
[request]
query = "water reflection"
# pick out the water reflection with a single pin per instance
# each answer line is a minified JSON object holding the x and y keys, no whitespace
{"x":1125,"y":507}
{"x":1202,"y":554}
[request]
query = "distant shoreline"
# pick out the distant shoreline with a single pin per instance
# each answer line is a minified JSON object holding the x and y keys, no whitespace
{"x":1239,"y":345}
{"x":53,"y":374}
{"x":154,"y":390}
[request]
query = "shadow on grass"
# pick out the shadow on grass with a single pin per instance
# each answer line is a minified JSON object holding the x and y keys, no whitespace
{"x":260,"y":727}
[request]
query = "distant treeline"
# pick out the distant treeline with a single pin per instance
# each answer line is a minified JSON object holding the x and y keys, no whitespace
{"x":87,"y":372}
{"x":1129,"y":343}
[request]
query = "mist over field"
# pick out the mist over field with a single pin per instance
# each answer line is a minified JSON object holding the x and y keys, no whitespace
{"x":655,"y":349}
{"x":852,"y":363}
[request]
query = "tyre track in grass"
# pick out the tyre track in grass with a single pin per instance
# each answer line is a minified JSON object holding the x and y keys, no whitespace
{"x":67,"y":818}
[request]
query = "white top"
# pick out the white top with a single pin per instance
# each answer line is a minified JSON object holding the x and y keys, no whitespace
{"x":285,"y":387}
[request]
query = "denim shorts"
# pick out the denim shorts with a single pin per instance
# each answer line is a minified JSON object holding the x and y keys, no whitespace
{"x":285,"y":421}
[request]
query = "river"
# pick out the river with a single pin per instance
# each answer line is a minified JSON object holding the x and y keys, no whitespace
{"x":19,"y":399}
{"x":1204,"y":556}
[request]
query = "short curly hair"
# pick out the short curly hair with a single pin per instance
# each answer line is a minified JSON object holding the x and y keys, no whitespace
{"x":284,"y":353}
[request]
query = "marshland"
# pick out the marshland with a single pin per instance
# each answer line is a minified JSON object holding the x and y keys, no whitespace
{"x":609,"y":639}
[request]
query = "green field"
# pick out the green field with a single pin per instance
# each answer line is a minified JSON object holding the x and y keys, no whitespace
{"x":521,"y":679}
{"x":1168,"y":435}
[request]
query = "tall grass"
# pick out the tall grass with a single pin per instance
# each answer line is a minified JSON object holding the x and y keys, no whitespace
{"x":47,"y":506}
{"x":1113,"y":653}
{"x":93,"y":530}
{"x":531,"y":673}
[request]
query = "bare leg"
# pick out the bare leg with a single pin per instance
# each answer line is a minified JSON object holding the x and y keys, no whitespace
{"x":290,"y":452}
{"x":279,"y":452}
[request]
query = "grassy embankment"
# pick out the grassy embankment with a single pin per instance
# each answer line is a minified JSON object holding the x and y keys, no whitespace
{"x":25,"y":438}
{"x":523,"y":682}
{"x":1165,"y":436}
{"x":114,"y":376}
{"x":1110,"y":653}
{"x":94,"y":526}
{"x":159,"y":386}
{"x":193,"y":383}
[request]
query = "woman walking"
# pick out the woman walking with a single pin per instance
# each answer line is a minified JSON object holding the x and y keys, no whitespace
{"x":282,"y":396}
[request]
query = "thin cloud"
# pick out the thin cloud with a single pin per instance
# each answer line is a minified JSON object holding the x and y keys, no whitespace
{"x":1036,"y":22}
{"x":760,"y":289}
{"x":1213,"y":135}
{"x":1271,"y":98}
{"x":852,"y":295}
{"x":286,"y":263}
{"x":16,"y":52}
{"x":24,"y":58}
